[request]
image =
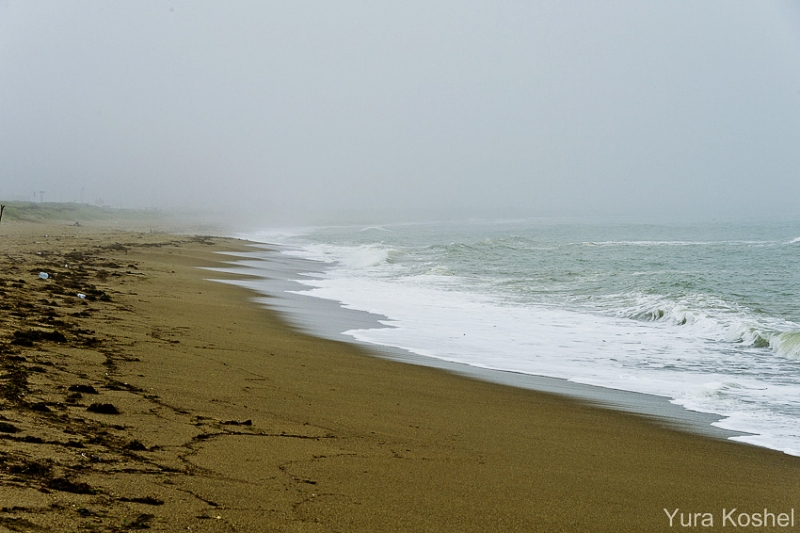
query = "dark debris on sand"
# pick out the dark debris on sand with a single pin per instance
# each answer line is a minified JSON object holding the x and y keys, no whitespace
{"x":49,"y":445}
{"x":103,"y":408}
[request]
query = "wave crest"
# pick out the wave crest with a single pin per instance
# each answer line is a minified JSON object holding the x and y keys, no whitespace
{"x":786,"y":344}
{"x":718,"y":321}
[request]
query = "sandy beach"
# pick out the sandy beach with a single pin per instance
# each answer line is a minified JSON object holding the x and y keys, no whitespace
{"x":137,"y":394}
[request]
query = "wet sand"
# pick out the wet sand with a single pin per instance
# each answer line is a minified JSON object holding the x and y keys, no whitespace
{"x":168,"y":402}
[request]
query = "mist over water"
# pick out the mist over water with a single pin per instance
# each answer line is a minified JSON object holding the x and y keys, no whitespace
{"x":705,"y":314}
{"x":320,"y":112}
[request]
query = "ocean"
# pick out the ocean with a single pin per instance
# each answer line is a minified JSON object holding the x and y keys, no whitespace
{"x":704,"y":314}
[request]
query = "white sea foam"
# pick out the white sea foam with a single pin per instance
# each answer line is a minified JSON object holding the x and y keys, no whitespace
{"x":684,"y":243}
{"x":582,"y":348}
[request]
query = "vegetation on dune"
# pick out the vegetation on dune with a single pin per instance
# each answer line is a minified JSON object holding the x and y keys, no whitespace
{"x":74,"y":212}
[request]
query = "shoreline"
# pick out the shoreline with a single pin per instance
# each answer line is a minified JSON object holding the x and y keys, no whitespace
{"x":273,"y":288}
{"x":231,"y":420}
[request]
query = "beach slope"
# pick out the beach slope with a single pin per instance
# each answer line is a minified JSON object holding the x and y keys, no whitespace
{"x":137,"y":394}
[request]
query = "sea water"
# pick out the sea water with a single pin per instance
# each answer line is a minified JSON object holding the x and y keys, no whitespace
{"x":706,"y":314}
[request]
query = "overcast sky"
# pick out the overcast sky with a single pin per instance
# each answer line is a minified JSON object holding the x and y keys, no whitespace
{"x":317,"y":108}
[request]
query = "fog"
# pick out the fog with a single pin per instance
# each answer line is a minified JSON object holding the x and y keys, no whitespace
{"x":315,"y":110}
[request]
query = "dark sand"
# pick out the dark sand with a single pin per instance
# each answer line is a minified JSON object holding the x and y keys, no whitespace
{"x":231,"y":421}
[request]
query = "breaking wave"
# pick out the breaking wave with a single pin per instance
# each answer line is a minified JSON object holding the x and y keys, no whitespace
{"x":716,"y":320}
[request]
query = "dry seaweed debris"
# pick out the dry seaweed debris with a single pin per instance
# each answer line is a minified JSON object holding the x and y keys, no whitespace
{"x":51,"y":442}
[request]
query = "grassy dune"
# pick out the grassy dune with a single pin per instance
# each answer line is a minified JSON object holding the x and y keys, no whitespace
{"x":52,"y":211}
